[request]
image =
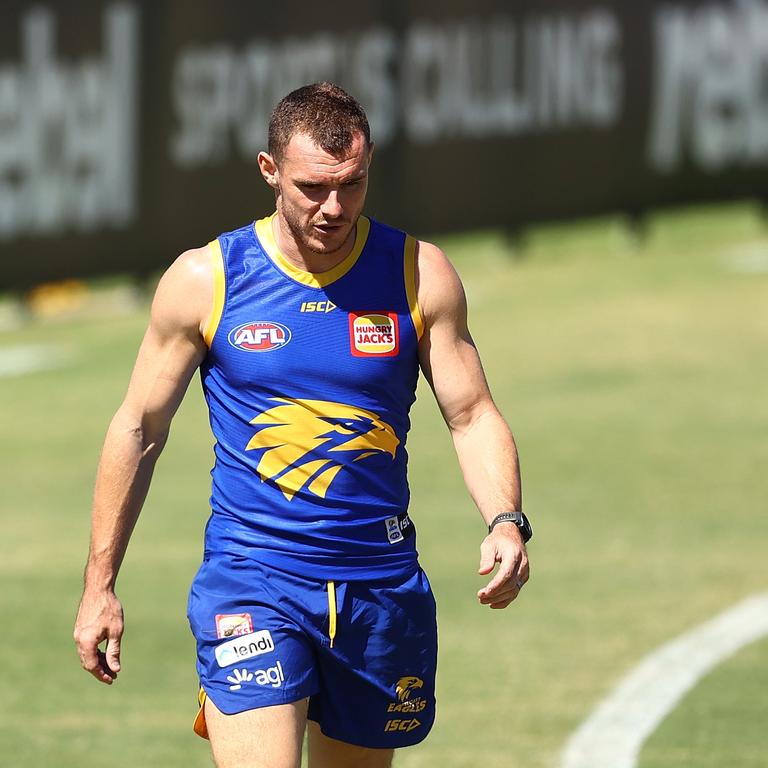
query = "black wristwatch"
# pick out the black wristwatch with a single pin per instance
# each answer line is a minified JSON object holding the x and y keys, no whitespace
{"x":518,"y":518}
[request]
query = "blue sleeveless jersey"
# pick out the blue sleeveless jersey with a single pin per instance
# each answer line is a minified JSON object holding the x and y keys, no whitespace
{"x":309,"y":380}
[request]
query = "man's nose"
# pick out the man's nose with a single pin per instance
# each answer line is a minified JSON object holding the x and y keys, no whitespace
{"x":331,"y":207}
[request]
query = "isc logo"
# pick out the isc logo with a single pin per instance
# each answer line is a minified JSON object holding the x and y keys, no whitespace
{"x":402,"y":725}
{"x":318,"y":306}
{"x":259,"y":336}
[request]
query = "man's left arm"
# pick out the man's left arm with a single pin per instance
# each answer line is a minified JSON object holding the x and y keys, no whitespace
{"x":483,"y":441}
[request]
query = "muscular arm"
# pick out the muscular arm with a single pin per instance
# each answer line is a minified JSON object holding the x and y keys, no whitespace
{"x":173,"y":347}
{"x":483,"y":441}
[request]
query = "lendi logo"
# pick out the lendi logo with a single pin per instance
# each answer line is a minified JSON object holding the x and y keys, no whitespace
{"x":244,"y":647}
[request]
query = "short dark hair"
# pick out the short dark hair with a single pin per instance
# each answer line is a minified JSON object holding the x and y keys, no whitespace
{"x":322,"y":111}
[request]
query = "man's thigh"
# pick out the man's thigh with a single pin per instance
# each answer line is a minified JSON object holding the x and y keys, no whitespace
{"x":325,"y":752}
{"x":268,"y":737}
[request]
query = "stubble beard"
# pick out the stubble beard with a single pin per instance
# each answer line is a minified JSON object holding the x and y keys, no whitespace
{"x":304,"y":238}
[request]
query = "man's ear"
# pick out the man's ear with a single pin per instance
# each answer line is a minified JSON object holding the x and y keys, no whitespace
{"x":268,"y":168}
{"x":370,"y":153}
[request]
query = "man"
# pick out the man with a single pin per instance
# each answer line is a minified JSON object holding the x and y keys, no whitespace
{"x":309,"y":327}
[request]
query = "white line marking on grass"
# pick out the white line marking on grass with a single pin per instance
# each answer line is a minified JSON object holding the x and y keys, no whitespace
{"x":16,"y":361}
{"x":611,"y":737}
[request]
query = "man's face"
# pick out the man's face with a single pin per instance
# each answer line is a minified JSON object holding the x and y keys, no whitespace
{"x":320,"y":196}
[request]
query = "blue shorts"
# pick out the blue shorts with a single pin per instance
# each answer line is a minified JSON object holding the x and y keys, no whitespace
{"x":364,"y":653}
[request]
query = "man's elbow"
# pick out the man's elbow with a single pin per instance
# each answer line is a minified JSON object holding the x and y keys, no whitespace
{"x":464,"y":420}
{"x":148,"y":432}
{"x":153,"y":443}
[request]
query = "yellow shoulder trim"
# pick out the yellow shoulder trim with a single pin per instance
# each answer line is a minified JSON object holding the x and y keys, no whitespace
{"x":410,"y":285}
{"x":217,"y":262}
{"x":313,"y":279}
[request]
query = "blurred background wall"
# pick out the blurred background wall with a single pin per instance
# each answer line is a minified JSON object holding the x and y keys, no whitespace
{"x":129,"y":130}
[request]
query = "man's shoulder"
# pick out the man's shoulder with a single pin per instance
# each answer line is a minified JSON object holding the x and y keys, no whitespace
{"x":440,"y":292}
{"x":184,"y":294}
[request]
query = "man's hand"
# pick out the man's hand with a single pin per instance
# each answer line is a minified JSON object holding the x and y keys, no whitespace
{"x":504,"y":545}
{"x":100,"y":618}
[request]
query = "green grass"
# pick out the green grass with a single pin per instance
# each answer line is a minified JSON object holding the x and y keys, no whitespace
{"x":722,"y":723}
{"x":633,"y":374}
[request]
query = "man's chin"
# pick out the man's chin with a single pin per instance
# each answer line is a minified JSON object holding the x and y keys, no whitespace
{"x":327,"y":243}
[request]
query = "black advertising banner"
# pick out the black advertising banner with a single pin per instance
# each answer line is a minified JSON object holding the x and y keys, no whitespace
{"x":129,"y":130}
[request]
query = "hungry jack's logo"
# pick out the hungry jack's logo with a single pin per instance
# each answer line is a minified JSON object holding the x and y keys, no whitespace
{"x":306,"y":443}
{"x":374,"y":334}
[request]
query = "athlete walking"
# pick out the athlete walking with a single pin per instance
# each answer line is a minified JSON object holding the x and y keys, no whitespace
{"x":309,"y":328}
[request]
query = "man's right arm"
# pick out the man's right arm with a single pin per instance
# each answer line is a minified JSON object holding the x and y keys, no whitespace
{"x":172,"y":349}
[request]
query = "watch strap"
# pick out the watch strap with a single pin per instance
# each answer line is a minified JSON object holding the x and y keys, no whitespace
{"x":518,"y":518}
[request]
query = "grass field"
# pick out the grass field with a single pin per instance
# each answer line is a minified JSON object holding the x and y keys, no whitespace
{"x":634,"y":376}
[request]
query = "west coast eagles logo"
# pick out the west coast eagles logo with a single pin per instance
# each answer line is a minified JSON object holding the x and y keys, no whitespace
{"x":407,"y":703}
{"x":306,"y":443}
{"x":405,"y":685}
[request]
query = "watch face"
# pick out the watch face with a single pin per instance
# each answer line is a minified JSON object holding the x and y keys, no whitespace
{"x":525,"y":527}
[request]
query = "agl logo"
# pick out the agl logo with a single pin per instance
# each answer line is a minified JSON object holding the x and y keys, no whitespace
{"x":259,"y":336}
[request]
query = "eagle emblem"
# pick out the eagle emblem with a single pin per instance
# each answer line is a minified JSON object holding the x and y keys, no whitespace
{"x":405,"y":685}
{"x":306,"y":443}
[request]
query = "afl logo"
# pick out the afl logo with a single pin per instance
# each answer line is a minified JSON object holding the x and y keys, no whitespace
{"x":259,"y":336}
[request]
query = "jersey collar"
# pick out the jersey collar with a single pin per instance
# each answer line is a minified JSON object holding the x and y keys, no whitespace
{"x":265,"y":236}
